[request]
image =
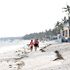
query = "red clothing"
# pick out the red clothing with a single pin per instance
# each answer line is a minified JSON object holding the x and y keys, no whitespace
{"x":36,"y":42}
{"x":31,"y":43}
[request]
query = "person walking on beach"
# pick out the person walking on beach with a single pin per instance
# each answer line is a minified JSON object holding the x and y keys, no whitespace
{"x":36,"y":44}
{"x":31,"y":45}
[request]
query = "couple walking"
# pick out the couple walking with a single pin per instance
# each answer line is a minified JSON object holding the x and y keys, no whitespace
{"x":35,"y":44}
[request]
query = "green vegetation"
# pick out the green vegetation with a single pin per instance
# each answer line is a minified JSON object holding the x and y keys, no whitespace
{"x":47,"y":34}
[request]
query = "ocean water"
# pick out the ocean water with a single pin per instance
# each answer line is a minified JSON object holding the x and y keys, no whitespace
{"x":8,"y":45}
{"x":23,"y":43}
{"x":13,"y":42}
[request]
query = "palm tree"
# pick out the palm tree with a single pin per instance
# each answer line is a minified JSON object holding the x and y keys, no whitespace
{"x":64,"y":20}
{"x":67,"y":9}
{"x":57,"y":24}
{"x":57,"y":30}
{"x":58,"y":27}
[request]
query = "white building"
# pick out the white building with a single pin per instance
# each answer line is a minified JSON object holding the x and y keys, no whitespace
{"x":65,"y":32}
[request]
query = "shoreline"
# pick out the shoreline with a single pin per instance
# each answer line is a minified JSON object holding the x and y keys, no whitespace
{"x":36,"y":60}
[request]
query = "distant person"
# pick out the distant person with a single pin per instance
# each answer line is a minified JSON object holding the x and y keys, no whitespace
{"x":31,"y":45}
{"x":36,"y":44}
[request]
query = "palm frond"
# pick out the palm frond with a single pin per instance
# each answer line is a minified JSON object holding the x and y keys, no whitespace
{"x":68,"y":6}
{"x":64,"y":8}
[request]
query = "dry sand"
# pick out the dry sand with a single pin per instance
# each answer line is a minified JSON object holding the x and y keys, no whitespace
{"x":20,"y":60}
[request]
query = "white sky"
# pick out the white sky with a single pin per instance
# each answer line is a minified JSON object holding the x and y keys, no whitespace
{"x":20,"y":17}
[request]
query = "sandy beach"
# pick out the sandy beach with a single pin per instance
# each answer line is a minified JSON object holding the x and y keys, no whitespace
{"x":23,"y":59}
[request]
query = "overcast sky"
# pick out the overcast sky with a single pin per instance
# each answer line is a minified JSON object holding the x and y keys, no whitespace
{"x":20,"y":17}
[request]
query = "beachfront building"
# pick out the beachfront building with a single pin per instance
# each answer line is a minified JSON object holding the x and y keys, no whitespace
{"x":65,"y":32}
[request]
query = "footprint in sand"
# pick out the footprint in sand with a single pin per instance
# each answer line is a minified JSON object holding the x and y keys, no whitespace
{"x":1,"y":61}
{"x":51,"y":69}
{"x":59,"y":67}
{"x":19,"y":64}
{"x":10,"y":66}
